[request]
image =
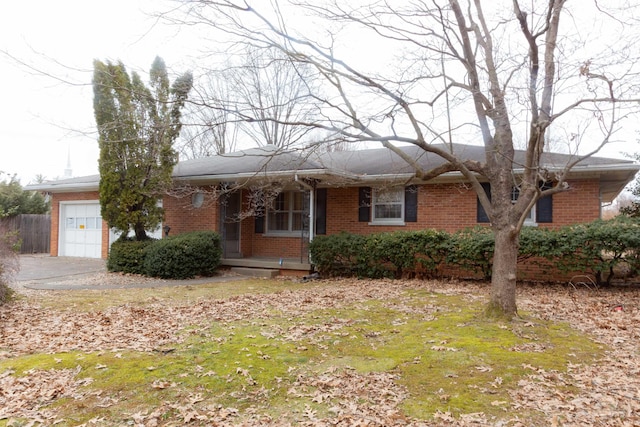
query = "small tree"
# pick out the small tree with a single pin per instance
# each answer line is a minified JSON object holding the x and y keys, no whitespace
{"x":137,"y":126}
{"x":16,"y":201}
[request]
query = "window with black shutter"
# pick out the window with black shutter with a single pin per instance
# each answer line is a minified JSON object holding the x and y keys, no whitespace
{"x":391,"y":206}
{"x":542,"y":212}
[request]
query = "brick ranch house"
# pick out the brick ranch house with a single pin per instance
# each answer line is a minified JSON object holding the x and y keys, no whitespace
{"x":363,"y":191}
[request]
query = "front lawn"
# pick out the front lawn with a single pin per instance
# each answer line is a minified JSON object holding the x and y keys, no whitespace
{"x":343,"y":352}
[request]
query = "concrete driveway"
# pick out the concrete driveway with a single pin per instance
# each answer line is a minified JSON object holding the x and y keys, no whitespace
{"x":44,"y":267}
{"x":58,"y":273}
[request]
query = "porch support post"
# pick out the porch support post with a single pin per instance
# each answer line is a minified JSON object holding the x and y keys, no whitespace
{"x":312,"y":203}
{"x":312,"y":213}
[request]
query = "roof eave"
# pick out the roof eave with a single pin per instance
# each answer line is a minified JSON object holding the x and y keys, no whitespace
{"x":64,"y":188}
{"x":261,"y":176}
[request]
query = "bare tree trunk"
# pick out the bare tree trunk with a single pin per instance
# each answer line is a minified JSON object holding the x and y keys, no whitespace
{"x":502,"y":301}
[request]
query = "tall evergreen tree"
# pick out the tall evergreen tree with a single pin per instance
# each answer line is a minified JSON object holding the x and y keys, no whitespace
{"x":137,"y":126}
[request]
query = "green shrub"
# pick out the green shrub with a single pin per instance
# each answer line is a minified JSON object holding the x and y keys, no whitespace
{"x":597,"y":248}
{"x":9,"y":262}
{"x":396,"y":254}
{"x":184,"y":256}
{"x":127,"y":255}
{"x":472,"y":249}
{"x":403,"y":253}
{"x":339,"y":254}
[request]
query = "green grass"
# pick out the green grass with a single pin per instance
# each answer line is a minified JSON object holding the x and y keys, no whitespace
{"x":444,"y":352}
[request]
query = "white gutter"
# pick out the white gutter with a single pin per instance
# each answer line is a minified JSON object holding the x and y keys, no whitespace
{"x":64,"y":188}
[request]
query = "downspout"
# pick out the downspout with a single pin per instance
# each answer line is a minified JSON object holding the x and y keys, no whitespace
{"x":600,"y":202}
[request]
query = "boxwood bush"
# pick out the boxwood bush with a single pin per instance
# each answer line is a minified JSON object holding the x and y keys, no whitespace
{"x":184,"y":256}
{"x":127,"y":255}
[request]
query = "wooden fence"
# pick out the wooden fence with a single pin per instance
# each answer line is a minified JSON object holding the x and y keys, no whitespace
{"x":33,"y":230}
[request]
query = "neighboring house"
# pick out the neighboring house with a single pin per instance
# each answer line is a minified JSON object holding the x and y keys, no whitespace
{"x":316,"y":194}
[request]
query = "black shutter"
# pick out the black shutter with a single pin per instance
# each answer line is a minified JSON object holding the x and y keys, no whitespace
{"x":364,"y":204}
{"x":411,"y":204}
{"x":481,"y":214}
{"x":259,"y":227}
{"x":321,"y":211}
{"x":544,"y":207}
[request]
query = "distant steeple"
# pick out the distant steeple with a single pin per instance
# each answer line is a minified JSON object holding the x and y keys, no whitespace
{"x":68,"y":172}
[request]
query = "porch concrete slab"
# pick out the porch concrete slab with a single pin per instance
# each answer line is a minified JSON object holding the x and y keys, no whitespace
{"x":267,"y":263}
{"x":255,"y":272}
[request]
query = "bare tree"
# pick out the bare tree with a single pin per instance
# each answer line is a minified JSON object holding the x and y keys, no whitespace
{"x":462,"y":70}
{"x":258,"y":96}
{"x":272,"y":95}
{"x":210,"y":127}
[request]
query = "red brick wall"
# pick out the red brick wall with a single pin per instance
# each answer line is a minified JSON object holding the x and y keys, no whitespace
{"x":55,"y":219}
{"x":452,"y":207}
{"x":182,"y":216}
{"x":578,"y":205}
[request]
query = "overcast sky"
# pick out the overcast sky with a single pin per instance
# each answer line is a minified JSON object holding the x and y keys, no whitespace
{"x":44,"y":120}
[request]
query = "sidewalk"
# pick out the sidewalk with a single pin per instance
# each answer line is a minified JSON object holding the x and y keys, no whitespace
{"x":44,"y":272}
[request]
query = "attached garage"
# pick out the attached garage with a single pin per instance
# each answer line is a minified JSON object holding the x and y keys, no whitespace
{"x":80,"y":233}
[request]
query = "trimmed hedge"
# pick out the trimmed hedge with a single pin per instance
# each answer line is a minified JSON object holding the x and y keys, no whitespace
{"x":183,"y":256}
{"x":339,"y":254}
{"x":127,"y":255}
{"x":378,"y":255}
{"x":603,"y":249}
{"x":472,"y":250}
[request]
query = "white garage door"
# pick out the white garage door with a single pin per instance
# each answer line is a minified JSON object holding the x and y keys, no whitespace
{"x":80,"y":230}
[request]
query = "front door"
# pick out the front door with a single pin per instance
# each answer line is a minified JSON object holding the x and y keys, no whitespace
{"x":230,"y":208}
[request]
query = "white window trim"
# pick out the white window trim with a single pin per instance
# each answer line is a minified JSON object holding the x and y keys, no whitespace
{"x":387,"y":221}
{"x":291,"y":211}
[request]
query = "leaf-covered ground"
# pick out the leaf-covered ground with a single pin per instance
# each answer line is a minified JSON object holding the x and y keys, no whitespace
{"x":329,"y":353}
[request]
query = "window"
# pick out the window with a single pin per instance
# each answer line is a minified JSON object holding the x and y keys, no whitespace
{"x":391,"y":206}
{"x":542,"y":212}
{"x":387,"y":205}
{"x":531,"y":216}
{"x":286,"y":213}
